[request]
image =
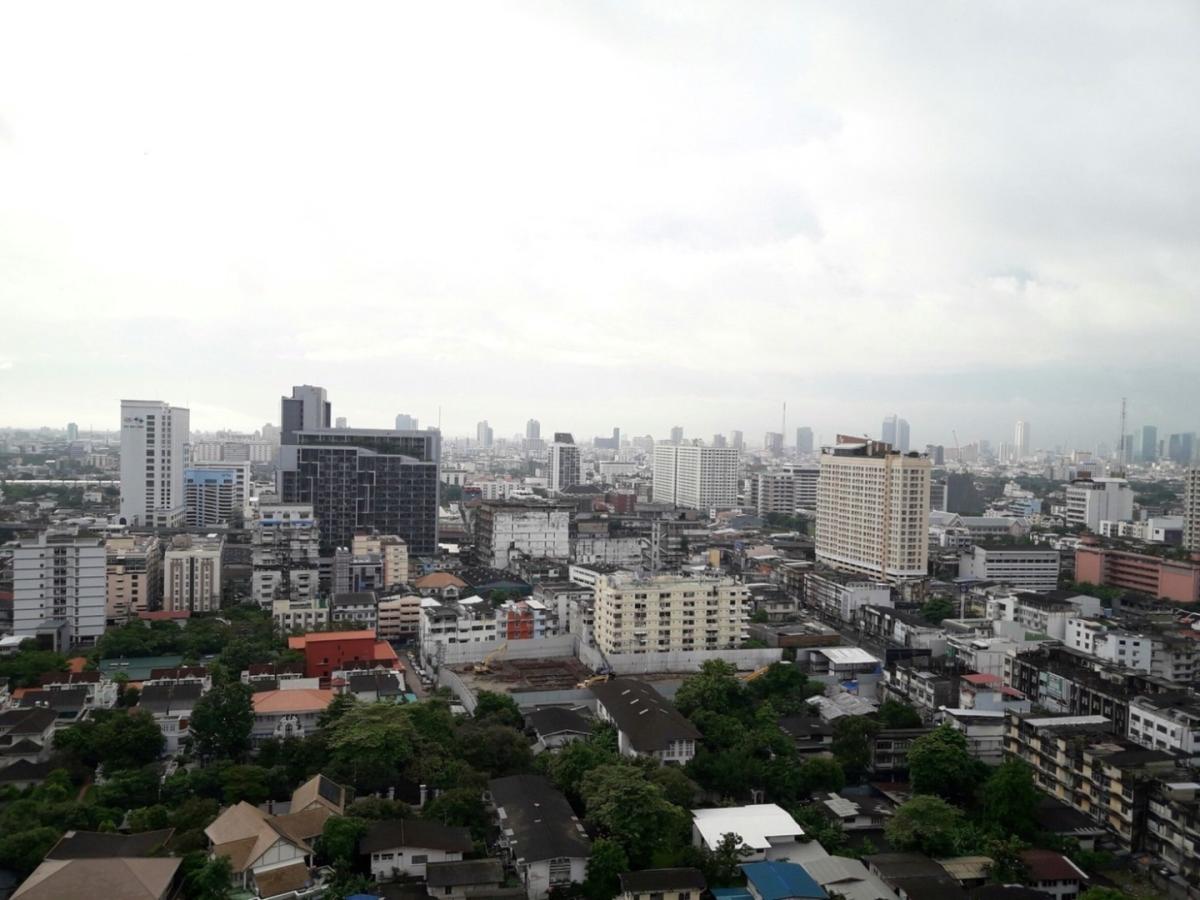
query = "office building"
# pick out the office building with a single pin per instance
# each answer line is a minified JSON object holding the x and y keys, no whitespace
{"x":153,"y":436}
{"x":719,"y":441}
{"x":1023,"y":568}
{"x":1149,"y":451}
{"x":483,"y":435}
{"x":307,"y":409}
{"x":608,"y":443}
{"x":361,"y":480}
{"x":1191,"y":510}
{"x":785,"y":491}
{"x":804,"y":440}
{"x":873,"y":510}
{"x":533,"y":430}
{"x":564,"y":464}
{"x":895,"y":432}
{"x":192,"y":574}
{"x":212,"y":493}
{"x":341,"y":422}
{"x":133,"y":575}
{"x":1091,"y":501}
{"x":72,"y":431}
{"x":509,"y":530}
{"x":284,"y":554}
{"x":59,"y":587}
{"x":773,"y":443}
{"x":1181,"y":448}
{"x":677,"y":434}
{"x":1021,"y":439}
{"x":693,"y":477}
{"x":405,"y":422}
{"x":736,"y":440}
{"x":666,"y":613}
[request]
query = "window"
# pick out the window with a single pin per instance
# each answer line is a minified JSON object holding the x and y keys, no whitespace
{"x":419,"y":859}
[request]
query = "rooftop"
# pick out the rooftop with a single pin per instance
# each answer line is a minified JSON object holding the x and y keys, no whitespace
{"x":755,"y":824}
{"x":643,"y":714}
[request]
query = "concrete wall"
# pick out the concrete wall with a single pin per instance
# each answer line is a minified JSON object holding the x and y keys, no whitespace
{"x":677,"y":661}
{"x":554,"y":647}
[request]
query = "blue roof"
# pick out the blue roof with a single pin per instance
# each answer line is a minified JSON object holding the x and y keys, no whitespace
{"x":731,"y":894}
{"x":782,"y":881}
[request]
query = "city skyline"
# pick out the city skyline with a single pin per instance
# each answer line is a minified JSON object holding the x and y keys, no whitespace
{"x":849,"y":210}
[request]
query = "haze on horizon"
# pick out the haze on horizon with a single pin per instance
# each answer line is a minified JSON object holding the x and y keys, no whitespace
{"x":594,"y":215}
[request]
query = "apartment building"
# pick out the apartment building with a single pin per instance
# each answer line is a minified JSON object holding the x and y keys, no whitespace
{"x":393,"y":556}
{"x":133,"y":570}
{"x":295,"y":615}
{"x":1175,"y":580}
{"x":469,"y":621}
{"x":1092,"y":500}
{"x":873,"y":511}
{"x":1191,"y":510}
{"x":1100,"y":639}
{"x":59,"y":587}
{"x":1023,"y":568}
{"x":284,"y":554}
{"x":694,"y":477}
{"x":784,"y":490}
{"x":507,"y":530}
{"x":669,"y":613}
{"x":399,"y":618}
{"x":192,"y":573}
{"x":838,"y":595}
{"x":1173,"y":826}
{"x":563,"y":461}
{"x":1167,"y":722}
{"x":153,"y":437}
{"x":354,"y":611}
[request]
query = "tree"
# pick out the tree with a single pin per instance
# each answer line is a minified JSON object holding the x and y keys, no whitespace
{"x":721,"y":864}
{"x":495,"y":749}
{"x":1011,"y":799}
{"x":194,"y":813}
{"x":927,"y":824}
{"x":715,"y":688}
{"x":851,"y":744}
{"x":23,"y":851}
{"x":894,"y":714}
{"x":371,"y":744}
{"x":248,"y":783}
{"x":1103,"y":893}
{"x":605,"y":865}
{"x":936,"y":609}
{"x":338,"y":844}
{"x":120,"y":739}
{"x":462,"y":807}
{"x":939,"y":763}
{"x":338,"y":707}
{"x":569,"y":765}
{"x":821,"y":828}
{"x":29,"y":663}
{"x":498,"y":709}
{"x":222,"y":721}
{"x":631,"y":810}
{"x":149,"y":818}
{"x":677,"y":787}
{"x":209,"y":879}
{"x":820,"y":773}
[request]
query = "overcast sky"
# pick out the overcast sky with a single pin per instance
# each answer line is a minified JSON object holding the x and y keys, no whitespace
{"x":604,"y":214}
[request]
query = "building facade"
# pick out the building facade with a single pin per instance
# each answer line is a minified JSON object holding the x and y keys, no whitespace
{"x":506,"y":530}
{"x":153,"y":437}
{"x":284,"y":554}
{"x":133,"y":569}
{"x":1191,"y":510}
{"x":666,"y":613}
{"x":694,"y":477}
{"x":1093,"y":500}
{"x":564,"y":464}
{"x":59,"y":587}
{"x":192,"y":574}
{"x":1024,"y":568}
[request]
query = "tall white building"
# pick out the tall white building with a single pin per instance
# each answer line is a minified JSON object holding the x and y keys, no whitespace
{"x":695,"y":477}
{"x":504,"y":530}
{"x":483,"y":434}
{"x":153,"y":437}
{"x":405,"y":422}
{"x":564,"y":464}
{"x":873,"y":510}
{"x":1021,"y":439}
{"x":192,"y":574}
{"x":665,"y":613}
{"x":1092,"y":501}
{"x":60,"y":587}
{"x":1191,"y":510}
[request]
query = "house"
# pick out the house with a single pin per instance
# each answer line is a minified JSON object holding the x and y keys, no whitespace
{"x":968,"y":871}
{"x":767,"y":831}
{"x":106,"y":845}
{"x":442,"y":585}
{"x":284,"y":714}
{"x":319,"y":792}
{"x":102,"y":692}
{"x":857,"y":813}
{"x":662,"y":884}
{"x":373,"y":686}
{"x":70,"y":705}
{"x":467,"y":878}
{"x":171,"y":705}
{"x":914,"y":876}
{"x":777,"y":880}
{"x":848,"y":878}
{"x":268,"y":854}
{"x":889,"y":749}
{"x":23,"y":774}
{"x":552,"y":727}
{"x":811,"y":735}
{"x":26,"y":735}
{"x":539,"y":833}
{"x":647,"y":723}
{"x":110,"y":878}
{"x":406,"y":846}
{"x":1053,"y":873}
{"x":1058,"y":818}
{"x":326,"y":651}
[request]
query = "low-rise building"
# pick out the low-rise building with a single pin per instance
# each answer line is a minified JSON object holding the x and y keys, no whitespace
{"x":284,"y":714}
{"x":408,"y":846}
{"x":838,"y":595}
{"x":1053,"y":874}
{"x":171,"y":704}
{"x":1022,"y":567}
{"x":134,"y":575}
{"x":539,"y":833}
{"x":647,"y":723}
{"x":662,"y":884}
{"x":358,"y":610}
{"x":1175,"y":580}
{"x":291,"y":616}
{"x":767,"y":831}
{"x":399,"y":618}
{"x":1167,"y":722}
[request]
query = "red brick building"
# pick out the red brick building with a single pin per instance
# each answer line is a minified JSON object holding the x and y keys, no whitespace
{"x":327,"y":651}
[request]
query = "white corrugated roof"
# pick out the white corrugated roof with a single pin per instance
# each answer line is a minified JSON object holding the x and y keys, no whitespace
{"x":754,"y":823}
{"x":847,"y":655}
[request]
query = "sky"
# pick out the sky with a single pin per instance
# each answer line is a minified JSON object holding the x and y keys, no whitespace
{"x":599,"y":214}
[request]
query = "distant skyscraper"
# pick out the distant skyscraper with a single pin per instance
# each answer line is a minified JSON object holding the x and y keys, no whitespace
{"x":719,"y":441}
{"x":737,"y":441}
{"x":1181,"y":448}
{"x":608,"y":443}
{"x":213,"y":490}
{"x":405,"y":422}
{"x":695,"y":477}
{"x":773,"y":443}
{"x":306,"y":409}
{"x":564,"y":463}
{"x":1149,"y":451}
{"x":804,"y":439}
{"x":153,"y":436}
{"x":902,"y":435}
{"x":533,"y":430}
{"x":887,"y":433}
{"x":483,"y":434}
{"x":677,"y":435}
{"x":1021,"y":439}
{"x":340,"y":422}
{"x":72,"y":431}
{"x":1191,"y":510}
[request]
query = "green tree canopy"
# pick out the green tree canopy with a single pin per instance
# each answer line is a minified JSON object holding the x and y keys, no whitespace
{"x":1011,"y":799}
{"x":936,"y":609}
{"x":715,"y":689}
{"x":851,"y":744}
{"x":927,"y":824}
{"x":118,"y":738}
{"x":627,"y":807}
{"x":894,"y":714}
{"x":605,"y":865}
{"x":222,"y":721}
{"x":940,"y":763}
{"x":498,"y":709}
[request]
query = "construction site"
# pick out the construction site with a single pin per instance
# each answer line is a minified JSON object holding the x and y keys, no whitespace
{"x":511,"y":676}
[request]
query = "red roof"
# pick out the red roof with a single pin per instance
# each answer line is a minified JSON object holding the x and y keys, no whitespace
{"x":1046,"y":865}
{"x":982,"y":679}
{"x":298,"y":643}
{"x":165,"y":615}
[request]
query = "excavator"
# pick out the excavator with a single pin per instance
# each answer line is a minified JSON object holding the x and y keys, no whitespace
{"x":485,"y":667}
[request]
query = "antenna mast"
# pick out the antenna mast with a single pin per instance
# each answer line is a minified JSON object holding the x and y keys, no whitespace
{"x":1122,"y":449}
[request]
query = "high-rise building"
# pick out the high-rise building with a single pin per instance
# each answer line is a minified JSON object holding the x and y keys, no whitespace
{"x":677,"y":434}
{"x":936,"y":454}
{"x":1149,"y":443}
{"x":340,"y":422}
{"x":153,"y":437}
{"x":308,"y":408}
{"x":737,"y":440}
{"x":1191,"y":510}
{"x":506,"y":530}
{"x":564,"y":463}
{"x":695,"y":477}
{"x":804,"y":439}
{"x":1021,"y":439}
{"x":533,"y":430}
{"x":72,"y":431}
{"x":1181,"y":448}
{"x":367,"y":480}
{"x":873,"y":510}
{"x":59,"y":587}
{"x":483,"y":434}
{"x":134,"y":575}
{"x":719,"y":441}
{"x":284,"y":553}
{"x":888,"y":431}
{"x":773,"y":443}
{"x":392,"y":553}
{"x":192,"y":574}
{"x":1091,"y":501}
{"x":608,"y":443}
{"x":214,"y":491}
{"x":662,"y":614}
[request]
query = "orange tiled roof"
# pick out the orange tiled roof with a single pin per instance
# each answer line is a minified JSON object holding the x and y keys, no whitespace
{"x":308,"y":700}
